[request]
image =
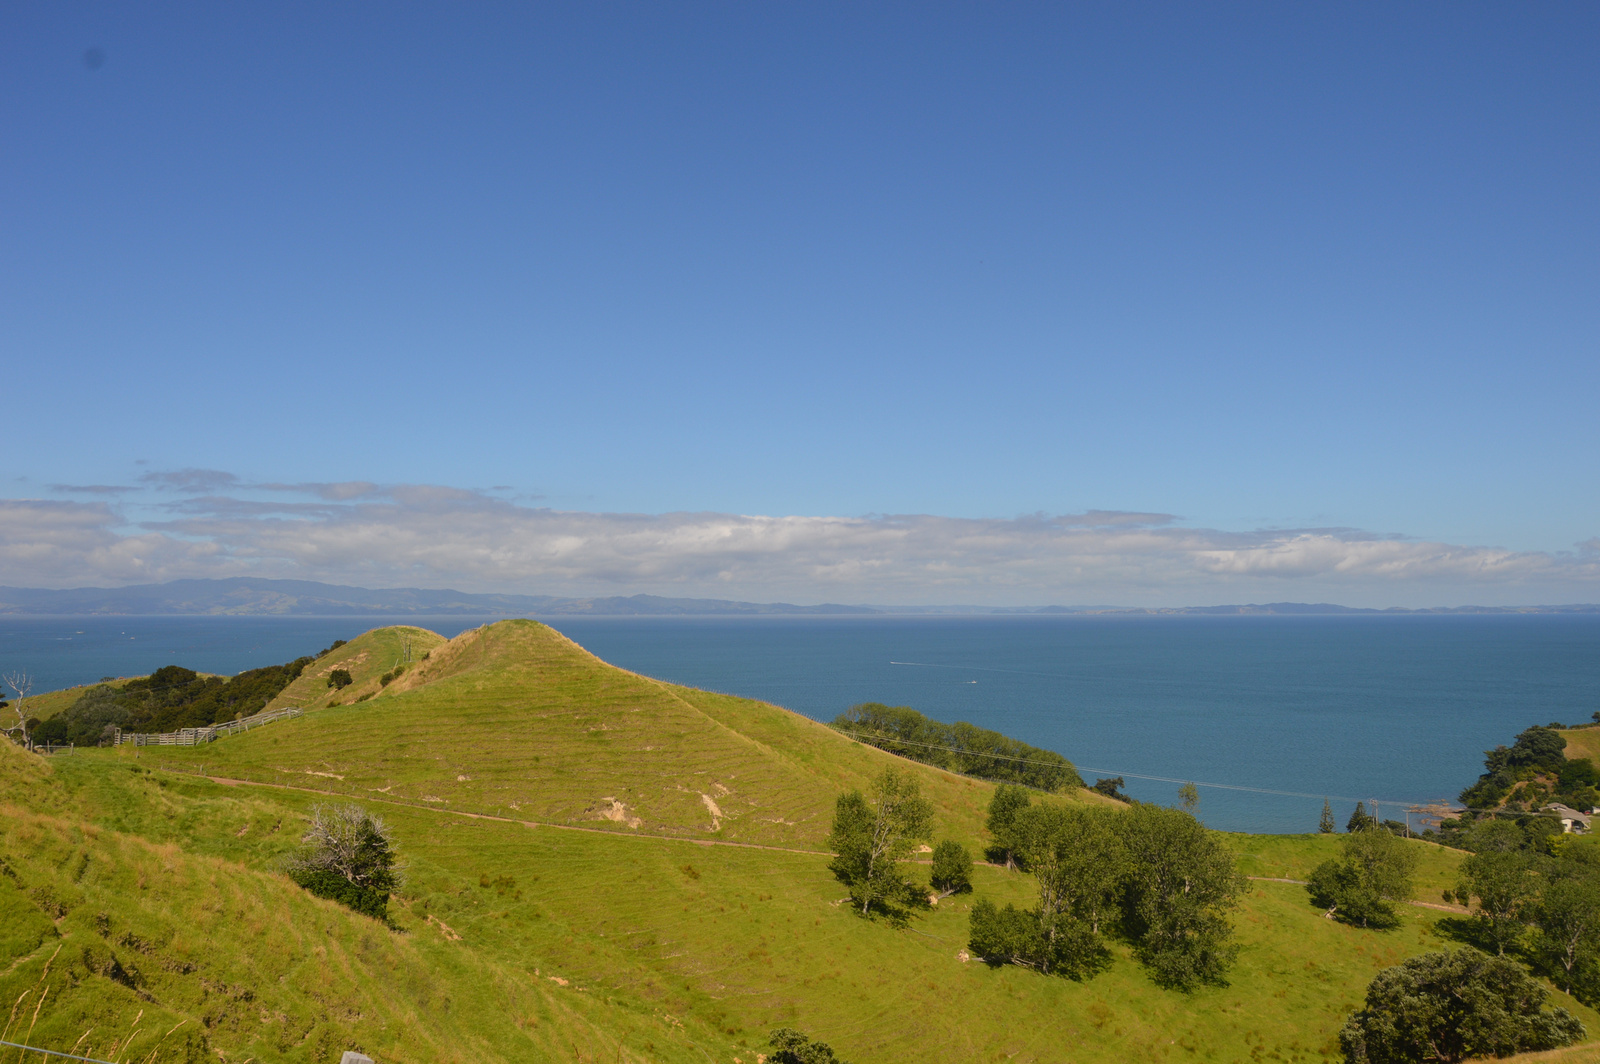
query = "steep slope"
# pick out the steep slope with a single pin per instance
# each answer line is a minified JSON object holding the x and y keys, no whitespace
{"x":366,"y":658}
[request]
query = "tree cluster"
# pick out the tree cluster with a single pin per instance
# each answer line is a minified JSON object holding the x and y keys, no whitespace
{"x":170,"y":698}
{"x":1532,"y":771}
{"x":1536,"y":900}
{"x":1153,"y":876}
{"x":959,"y":747}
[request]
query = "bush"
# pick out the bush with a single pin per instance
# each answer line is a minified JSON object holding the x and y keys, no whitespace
{"x":789,"y":1046}
{"x":355,"y":849}
{"x":1451,"y":1006}
{"x":331,"y":885}
{"x":339,"y":679}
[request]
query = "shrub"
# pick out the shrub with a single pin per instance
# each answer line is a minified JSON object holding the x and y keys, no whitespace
{"x":331,"y":885}
{"x":789,"y":1046}
{"x":350,"y":845}
{"x":339,"y":679}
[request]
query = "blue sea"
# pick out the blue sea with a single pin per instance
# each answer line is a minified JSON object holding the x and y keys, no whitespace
{"x":1267,"y":714}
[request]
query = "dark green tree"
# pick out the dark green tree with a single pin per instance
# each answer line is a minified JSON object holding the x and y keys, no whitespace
{"x":789,"y":1046}
{"x":1326,"y":825}
{"x":952,"y":868}
{"x":1182,"y":887}
{"x":1566,"y":921}
{"x":1505,"y":887}
{"x":1493,"y":835}
{"x":339,"y":679}
{"x":1373,"y":870}
{"x":1007,"y":802}
{"x":1451,"y":1006}
{"x":872,"y":835}
{"x":1005,"y":936}
{"x":1111,"y":788}
{"x":1359,"y":820}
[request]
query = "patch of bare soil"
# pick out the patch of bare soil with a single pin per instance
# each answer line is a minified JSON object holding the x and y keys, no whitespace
{"x":609,"y":808}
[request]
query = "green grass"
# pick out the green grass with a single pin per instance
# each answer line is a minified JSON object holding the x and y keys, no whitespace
{"x":1582,"y":742}
{"x":648,"y":943}
{"x":515,"y":720}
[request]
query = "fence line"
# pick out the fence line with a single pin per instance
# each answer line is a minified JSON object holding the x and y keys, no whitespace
{"x":197,"y":736}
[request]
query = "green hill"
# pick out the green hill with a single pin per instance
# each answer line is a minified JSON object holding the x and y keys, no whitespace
{"x":600,"y":867}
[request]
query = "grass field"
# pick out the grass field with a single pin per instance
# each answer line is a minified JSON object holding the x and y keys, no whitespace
{"x":676,"y":939}
{"x":1583,"y":742}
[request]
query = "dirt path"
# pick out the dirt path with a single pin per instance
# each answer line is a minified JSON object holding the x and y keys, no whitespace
{"x":1419,"y":904}
{"x":227,"y":782}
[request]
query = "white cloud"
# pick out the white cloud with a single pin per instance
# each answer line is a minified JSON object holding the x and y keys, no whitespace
{"x":440,"y":536}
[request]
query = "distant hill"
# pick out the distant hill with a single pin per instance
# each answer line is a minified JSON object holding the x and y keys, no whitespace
{"x":1329,"y":609}
{"x":250,"y":596}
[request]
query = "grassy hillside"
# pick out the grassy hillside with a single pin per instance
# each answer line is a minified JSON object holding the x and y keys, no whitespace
{"x":671,"y":939}
{"x":166,"y":940}
{"x":366,"y":658}
{"x":1583,"y":742}
{"x":516,"y":720}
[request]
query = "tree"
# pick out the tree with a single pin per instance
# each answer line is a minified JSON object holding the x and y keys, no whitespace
{"x":871,"y":838}
{"x":1504,"y":884}
{"x":339,"y":679}
{"x":789,"y":1046}
{"x":1359,"y":820}
{"x":1189,"y":797}
{"x":1326,"y":825}
{"x":1077,"y":858}
{"x":1005,"y":936}
{"x":351,"y":843}
{"x":952,"y":868}
{"x":1111,"y":788}
{"x":21,"y":684}
{"x":1495,"y":836}
{"x":1373,"y":869}
{"x":1181,"y":887}
{"x":1451,"y":1006}
{"x":1007,"y":802}
{"x":1566,"y":921}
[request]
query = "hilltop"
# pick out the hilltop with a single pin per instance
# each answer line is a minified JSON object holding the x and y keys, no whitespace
{"x":599,"y":867}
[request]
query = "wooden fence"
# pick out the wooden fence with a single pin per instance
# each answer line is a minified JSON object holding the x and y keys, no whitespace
{"x":197,"y":736}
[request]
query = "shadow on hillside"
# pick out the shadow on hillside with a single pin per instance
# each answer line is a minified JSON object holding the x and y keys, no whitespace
{"x":1467,"y":931}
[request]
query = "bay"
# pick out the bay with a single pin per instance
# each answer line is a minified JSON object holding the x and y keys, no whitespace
{"x":1393,"y":708}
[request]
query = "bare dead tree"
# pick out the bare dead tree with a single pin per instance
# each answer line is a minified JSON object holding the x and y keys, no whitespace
{"x":21,"y":685}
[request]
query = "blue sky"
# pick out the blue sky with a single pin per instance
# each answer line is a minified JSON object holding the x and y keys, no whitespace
{"x":1264,"y":274}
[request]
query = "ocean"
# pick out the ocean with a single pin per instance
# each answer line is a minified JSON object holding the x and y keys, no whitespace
{"x":1268,"y":715}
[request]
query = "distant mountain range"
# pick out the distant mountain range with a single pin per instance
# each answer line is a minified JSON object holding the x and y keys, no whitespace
{"x":248,"y":596}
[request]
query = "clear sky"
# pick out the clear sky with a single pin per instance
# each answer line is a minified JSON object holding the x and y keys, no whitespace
{"x":1313,"y":281}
